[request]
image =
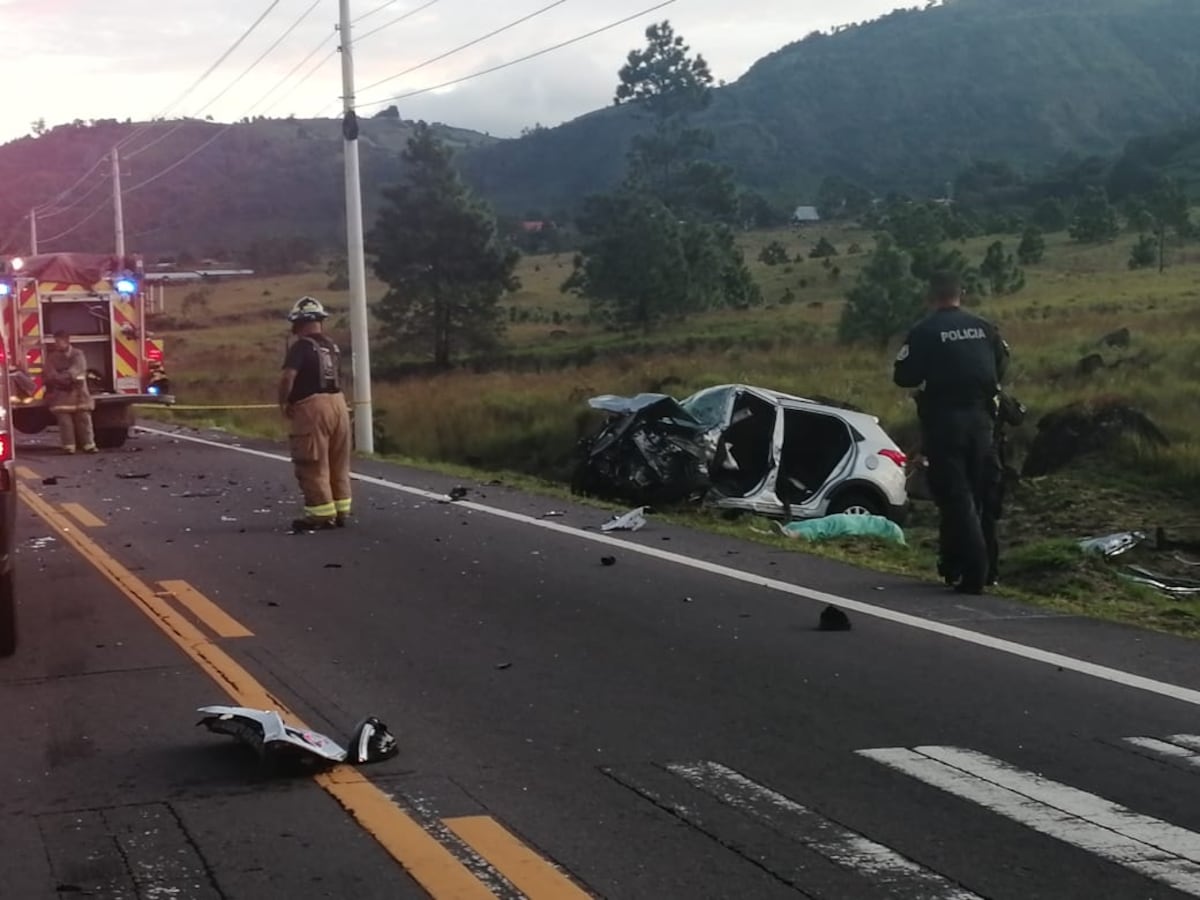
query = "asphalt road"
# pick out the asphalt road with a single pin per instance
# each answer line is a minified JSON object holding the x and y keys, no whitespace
{"x":670,"y":726}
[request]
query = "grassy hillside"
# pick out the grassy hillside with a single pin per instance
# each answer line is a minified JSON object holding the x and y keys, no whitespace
{"x":906,"y":101}
{"x":270,"y":178}
{"x":526,"y":417}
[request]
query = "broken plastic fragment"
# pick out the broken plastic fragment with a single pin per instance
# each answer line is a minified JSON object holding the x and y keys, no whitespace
{"x":1113,"y":544}
{"x":634,"y":520}
{"x":271,"y":737}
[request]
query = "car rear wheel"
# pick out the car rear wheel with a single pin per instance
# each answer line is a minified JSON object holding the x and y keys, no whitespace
{"x":856,"y":503}
{"x":111,"y":438}
{"x":8,"y":615}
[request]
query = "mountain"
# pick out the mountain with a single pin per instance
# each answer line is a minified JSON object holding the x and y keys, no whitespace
{"x":255,"y":180}
{"x":904,"y":102}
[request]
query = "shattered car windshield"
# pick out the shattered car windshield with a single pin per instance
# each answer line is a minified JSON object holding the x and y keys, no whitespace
{"x":709,"y":406}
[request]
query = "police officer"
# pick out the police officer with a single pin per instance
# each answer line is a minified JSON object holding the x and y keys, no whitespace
{"x":958,"y":360}
{"x":311,"y":398}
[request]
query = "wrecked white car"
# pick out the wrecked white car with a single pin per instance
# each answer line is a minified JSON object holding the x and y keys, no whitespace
{"x":744,"y":448}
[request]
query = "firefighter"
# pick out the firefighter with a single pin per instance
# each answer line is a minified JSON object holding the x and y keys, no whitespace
{"x":68,"y":396}
{"x":958,"y":360}
{"x":311,"y":398}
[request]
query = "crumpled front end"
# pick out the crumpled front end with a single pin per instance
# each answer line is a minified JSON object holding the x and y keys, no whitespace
{"x":649,"y":451}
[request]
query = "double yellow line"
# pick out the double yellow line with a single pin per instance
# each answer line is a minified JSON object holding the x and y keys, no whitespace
{"x":425,"y":858}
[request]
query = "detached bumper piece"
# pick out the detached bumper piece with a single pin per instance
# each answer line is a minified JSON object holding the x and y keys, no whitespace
{"x":279,"y":744}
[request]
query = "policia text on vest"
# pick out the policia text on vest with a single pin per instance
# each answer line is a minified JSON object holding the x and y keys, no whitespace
{"x":958,"y":360}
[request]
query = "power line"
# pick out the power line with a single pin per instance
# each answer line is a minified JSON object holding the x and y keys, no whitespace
{"x":377,"y":9}
{"x":526,"y":58}
{"x":395,"y":21}
{"x":297,"y":68}
{"x":199,"y":81}
{"x":79,"y":224}
{"x":271,"y":49}
{"x":102,"y":183}
{"x":460,"y":48}
{"x":82,"y":179}
{"x":263,"y":55}
{"x":309,"y":74}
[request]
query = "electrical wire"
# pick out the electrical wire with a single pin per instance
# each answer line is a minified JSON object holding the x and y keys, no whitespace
{"x":526,"y":58}
{"x":309,"y":74}
{"x":271,"y":49}
{"x":70,"y":206}
{"x":137,"y":132}
{"x":461,"y":47}
{"x":78,"y":224}
{"x":82,"y":178}
{"x":396,"y":21}
{"x":377,"y":9}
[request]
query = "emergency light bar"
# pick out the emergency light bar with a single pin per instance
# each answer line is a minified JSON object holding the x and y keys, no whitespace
{"x":5,"y":289}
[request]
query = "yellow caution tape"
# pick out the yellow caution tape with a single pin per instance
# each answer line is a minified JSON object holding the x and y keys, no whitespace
{"x":176,"y":406}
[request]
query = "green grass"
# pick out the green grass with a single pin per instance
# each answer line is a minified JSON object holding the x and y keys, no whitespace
{"x":521,"y":421}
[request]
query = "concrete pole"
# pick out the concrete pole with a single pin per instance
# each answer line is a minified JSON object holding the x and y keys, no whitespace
{"x":33,"y":248}
{"x":364,"y":431}
{"x":118,"y":210}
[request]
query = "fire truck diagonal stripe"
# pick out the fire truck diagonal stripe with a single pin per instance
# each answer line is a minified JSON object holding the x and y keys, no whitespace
{"x":881,"y":865}
{"x":1148,"y":846}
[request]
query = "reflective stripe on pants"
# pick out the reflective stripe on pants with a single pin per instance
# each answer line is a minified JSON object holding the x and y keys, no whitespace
{"x":320,"y":445}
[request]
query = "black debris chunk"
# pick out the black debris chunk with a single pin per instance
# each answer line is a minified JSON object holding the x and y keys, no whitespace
{"x":333,"y":565}
{"x":504,"y":665}
{"x":50,"y":482}
{"x":833,"y":619}
{"x":458,"y":493}
{"x":129,"y":476}
{"x":608,"y":560}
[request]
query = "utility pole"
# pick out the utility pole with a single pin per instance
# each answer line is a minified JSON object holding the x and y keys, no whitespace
{"x":118,"y":210}
{"x":33,"y":232}
{"x":364,"y":426}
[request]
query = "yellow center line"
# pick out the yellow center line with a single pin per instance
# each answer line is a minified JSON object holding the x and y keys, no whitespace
{"x":83,"y":516}
{"x":433,"y":866}
{"x":27,"y":473}
{"x":528,"y":872}
{"x":222,"y":624}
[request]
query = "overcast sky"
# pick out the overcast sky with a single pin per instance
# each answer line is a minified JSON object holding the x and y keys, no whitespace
{"x":87,"y":59}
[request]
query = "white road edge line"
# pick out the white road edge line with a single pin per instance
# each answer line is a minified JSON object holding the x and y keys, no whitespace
{"x":1144,"y":845}
{"x":1012,"y":648}
{"x":881,"y":864}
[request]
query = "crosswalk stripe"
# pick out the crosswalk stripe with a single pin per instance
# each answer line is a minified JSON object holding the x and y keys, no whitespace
{"x":1148,"y":846}
{"x":1169,"y":748}
{"x":846,"y":848}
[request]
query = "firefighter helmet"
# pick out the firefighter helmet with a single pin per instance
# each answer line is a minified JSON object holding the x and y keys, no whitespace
{"x":308,"y":309}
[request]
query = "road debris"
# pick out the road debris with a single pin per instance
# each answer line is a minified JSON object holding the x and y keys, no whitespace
{"x":1164,"y":584}
{"x":50,"y":482}
{"x":553,"y":514}
{"x":833,"y":619}
{"x":1113,"y":545}
{"x":276,"y":741}
{"x":40,"y":543}
{"x":504,"y":665}
{"x":132,"y":476}
{"x":456,"y":494}
{"x":634,"y":520}
{"x":608,"y":560}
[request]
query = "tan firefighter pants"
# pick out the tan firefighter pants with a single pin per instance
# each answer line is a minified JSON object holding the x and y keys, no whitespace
{"x":75,"y":429}
{"x":320,"y":444}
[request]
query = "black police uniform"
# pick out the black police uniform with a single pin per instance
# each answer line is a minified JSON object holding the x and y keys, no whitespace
{"x":961,"y":360}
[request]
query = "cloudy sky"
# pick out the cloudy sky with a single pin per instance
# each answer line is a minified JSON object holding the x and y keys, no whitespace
{"x":87,"y":59}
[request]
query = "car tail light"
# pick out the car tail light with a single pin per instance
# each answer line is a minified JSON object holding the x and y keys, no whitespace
{"x":5,"y":448}
{"x":895,"y":456}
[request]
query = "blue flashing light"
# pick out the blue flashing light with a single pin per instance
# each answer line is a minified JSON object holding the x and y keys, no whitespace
{"x":5,"y":289}
{"x":153,"y":389}
{"x":125,"y":286}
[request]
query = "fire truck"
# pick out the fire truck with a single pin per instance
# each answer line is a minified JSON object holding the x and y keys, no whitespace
{"x":98,"y":301}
